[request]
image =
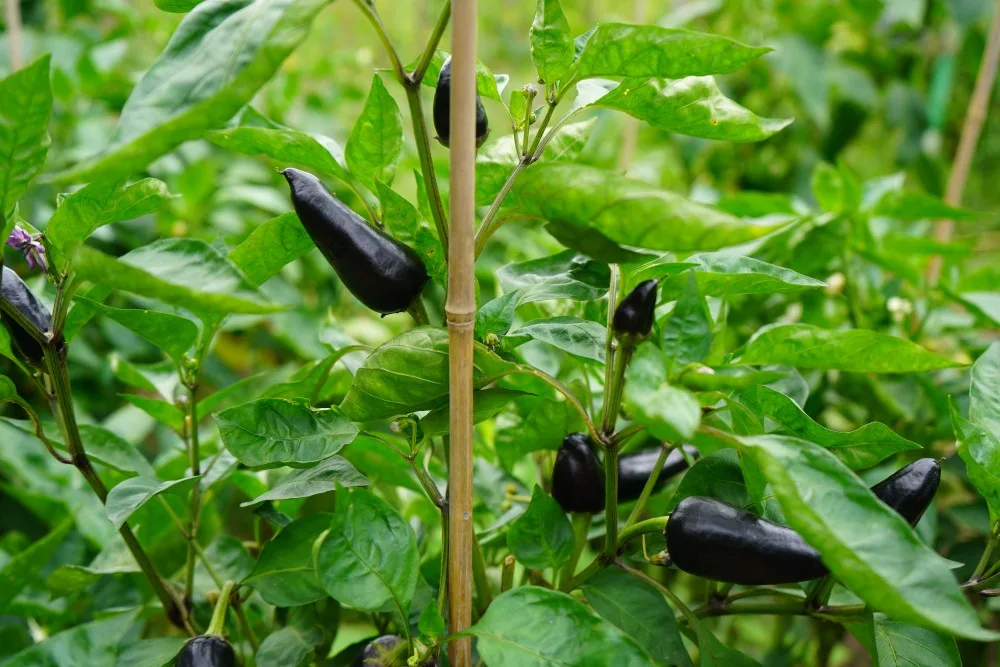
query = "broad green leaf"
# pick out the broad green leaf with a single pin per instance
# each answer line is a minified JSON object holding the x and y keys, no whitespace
{"x":581,"y":338}
{"x":24,"y":567}
{"x":173,"y":334}
{"x":102,"y":202}
{"x":537,"y":423}
{"x":984,"y":390}
{"x":551,"y":41}
{"x":161,"y":411}
{"x":215,"y":62}
{"x":833,"y":192}
{"x":910,"y":206}
{"x":286,"y":647}
{"x":369,"y":559}
{"x":155,"y":652}
{"x":93,"y":644}
{"x":754,"y":204}
{"x":110,"y":449}
{"x":542,"y":537}
{"x":486,"y":403}
{"x":487,"y":85}
{"x":619,"y":49}
{"x":406,"y":225}
{"x":693,"y":106}
{"x":565,"y":275}
{"x":270,"y":247}
{"x":410,"y":373}
{"x":537,"y":627}
{"x":903,"y":645}
{"x":716,"y":654}
{"x":176,"y":6}
{"x":114,"y":558}
{"x":857,"y":350}
{"x":717,"y":475}
{"x":670,"y":413}
{"x":640,"y":611}
{"x":380,"y":464}
{"x":25,"y":105}
{"x":627,"y":211}
{"x":885,"y":563}
{"x":687,"y":335}
{"x":376,"y":142}
{"x":431,"y":624}
{"x":721,"y":275}
{"x":326,"y":476}
{"x":128,"y":496}
{"x":184,"y":272}
{"x":315,"y":152}
{"x":980,"y":450}
{"x":271,"y":432}
{"x":983,"y":304}
{"x":858,"y":450}
{"x":285,"y":574}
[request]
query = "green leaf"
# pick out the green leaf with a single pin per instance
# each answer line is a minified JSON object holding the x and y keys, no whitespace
{"x":176,"y":6}
{"x":430,"y":623}
{"x":866,"y":544}
{"x":407,"y":226}
{"x":980,"y":450}
{"x":552,"y":48}
{"x":716,"y":654}
{"x":93,"y":644}
{"x":627,"y":211}
{"x":285,"y":574}
{"x":640,"y":611}
{"x":687,"y":335}
{"x":271,"y":432}
{"x":984,"y":390}
{"x":717,"y":475}
{"x":720,"y":275}
{"x":833,"y":192}
{"x":542,"y":537}
{"x":102,"y":202}
{"x":327,"y":475}
{"x":25,"y":105}
{"x":151,"y":652}
{"x":376,"y":142}
{"x":693,"y":106}
{"x":903,"y":645}
{"x":537,"y":627}
{"x":581,"y":338}
{"x":858,"y":450}
{"x":285,"y":647}
{"x":670,"y":413}
{"x":134,"y":492}
{"x":410,"y":373}
{"x":619,"y":49}
{"x":114,"y":558}
{"x":161,"y":411}
{"x":312,"y":151}
{"x":910,"y":206}
{"x":173,"y":334}
{"x":369,"y":559}
{"x":486,"y":403}
{"x":184,"y":272}
{"x":24,"y":567}
{"x":270,"y":247}
{"x":857,"y":350}
{"x":565,"y":275}
{"x":215,"y":62}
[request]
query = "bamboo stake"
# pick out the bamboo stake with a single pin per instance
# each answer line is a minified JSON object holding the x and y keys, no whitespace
{"x":12,"y":9}
{"x":461,"y":313}
{"x":971,"y":129}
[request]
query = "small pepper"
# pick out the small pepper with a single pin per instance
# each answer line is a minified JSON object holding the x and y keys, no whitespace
{"x":17,"y":294}
{"x":384,"y":274}
{"x":206,"y":651}
{"x":710,"y":539}
{"x":634,"y":470}
{"x":442,"y":109}
{"x":635,"y":314}
{"x":386,"y":651}
{"x":910,"y":490}
{"x":577,"y":476}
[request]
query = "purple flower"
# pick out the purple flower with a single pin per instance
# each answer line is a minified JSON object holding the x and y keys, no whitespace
{"x":29,"y":246}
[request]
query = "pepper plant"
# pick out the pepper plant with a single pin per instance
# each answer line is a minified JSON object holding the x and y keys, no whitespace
{"x":699,"y":425}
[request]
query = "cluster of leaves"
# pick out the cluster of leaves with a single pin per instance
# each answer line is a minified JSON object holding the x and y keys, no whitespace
{"x":248,"y":431}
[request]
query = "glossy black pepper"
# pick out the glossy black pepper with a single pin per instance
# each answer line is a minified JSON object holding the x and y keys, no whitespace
{"x":17,"y":294}
{"x":634,"y":470}
{"x":384,"y":274}
{"x":206,"y":651}
{"x":635,"y":314}
{"x":910,"y":490}
{"x":710,"y":539}
{"x":386,"y":651}
{"x":577,"y":477}
{"x":442,"y":109}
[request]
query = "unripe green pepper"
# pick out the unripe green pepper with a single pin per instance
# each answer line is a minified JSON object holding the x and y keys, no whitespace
{"x":577,"y":476}
{"x":634,"y":470}
{"x":384,"y":274}
{"x":635,"y":314}
{"x":710,"y":539}
{"x":206,"y":651}
{"x":442,"y":109}
{"x":910,"y":490}
{"x":17,"y":294}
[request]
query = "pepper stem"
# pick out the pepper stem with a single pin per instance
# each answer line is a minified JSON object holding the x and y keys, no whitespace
{"x":218,"y":625}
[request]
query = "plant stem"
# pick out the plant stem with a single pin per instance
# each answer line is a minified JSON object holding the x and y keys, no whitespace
{"x":218,"y":625}
{"x":595,"y":566}
{"x":194,"y":462}
{"x":422,"y":137}
{"x":62,"y":405}
{"x":432,"y":44}
{"x":369,"y":11}
{"x":418,"y":312}
{"x":984,"y":561}
{"x":533,"y":154}
{"x":647,"y":490}
{"x":581,"y":526}
{"x":613,"y":396}
{"x":654,"y":525}
{"x":507,"y":573}
{"x":562,"y":389}
{"x":611,"y":500}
